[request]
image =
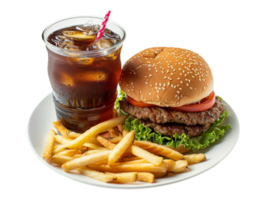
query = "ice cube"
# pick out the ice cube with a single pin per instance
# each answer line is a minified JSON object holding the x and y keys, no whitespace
{"x":60,"y":37}
{"x":92,"y":76}
{"x":73,"y":60}
{"x":104,"y":43}
{"x":66,"y":80}
{"x":110,"y":34}
{"x":89,"y":29}
{"x":111,"y":56}
{"x":79,"y":36}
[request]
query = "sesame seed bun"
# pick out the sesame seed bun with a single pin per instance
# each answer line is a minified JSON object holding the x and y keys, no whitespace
{"x":166,"y":77}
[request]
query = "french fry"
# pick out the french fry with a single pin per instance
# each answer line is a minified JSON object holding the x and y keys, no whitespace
{"x":59,"y":149}
{"x":73,"y":135}
{"x":116,"y":139}
{"x":77,"y":156}
{"x":135,"y":167}
{"x":145,"y":155}
{"x":106,"y":143}
{"x":70,"y":153}
{"x":97,"y":175}
{"x":62,"y":140}
{"x":126,"y":177}
{"x":136,"y":161}
{"x":121,"y":147}
{"x":85,"y":160}
{"x":124,"y":133}
{"x":146,"y":177}
{"x":159,"y":174}
{"x":58,"y":159}
{"x":195,"y":158}
{"x":61,"y":129}
{"x":93,"y":151}
{"x":113,"y":132}
{"x":48,"y":151}
{"x":170,"y":164}
{"x":179,"y":167}
{"x":159,"y":150}
{"x":130,"y":159}
{"x":94,"y":131}
{"x":94,"y":146}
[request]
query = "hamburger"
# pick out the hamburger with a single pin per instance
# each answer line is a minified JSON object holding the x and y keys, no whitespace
{"x":169,"y":97}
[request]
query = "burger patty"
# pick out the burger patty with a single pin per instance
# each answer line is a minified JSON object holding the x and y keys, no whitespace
{"x":163,"y":115}
{"x":171,"y":129}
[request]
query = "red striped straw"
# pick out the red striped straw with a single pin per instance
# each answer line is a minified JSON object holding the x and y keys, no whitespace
{"x":101,"y":31}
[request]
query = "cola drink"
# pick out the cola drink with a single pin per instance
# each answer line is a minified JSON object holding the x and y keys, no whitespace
{"x":83,"y":73}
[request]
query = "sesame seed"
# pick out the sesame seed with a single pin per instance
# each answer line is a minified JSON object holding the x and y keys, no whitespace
{"x":178,"y":92}
{"x":187,"y":84}
{"x":191,"y":88}
{"x":165,"y":77}
{"x":180,"y":88}
{"x":146,"y":82}
{"x":149,"y":93}
{"x":150,"y":75}
{"x":131,"y":83}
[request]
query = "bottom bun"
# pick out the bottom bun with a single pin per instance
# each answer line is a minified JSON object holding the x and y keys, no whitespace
{"x":182,"y":149}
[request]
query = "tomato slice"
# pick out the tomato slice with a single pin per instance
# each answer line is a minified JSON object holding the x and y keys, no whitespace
{"x":204,"y":104}
{"x":138,"y":103}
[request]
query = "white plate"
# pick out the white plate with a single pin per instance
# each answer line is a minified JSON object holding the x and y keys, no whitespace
{"x":41,"y":122}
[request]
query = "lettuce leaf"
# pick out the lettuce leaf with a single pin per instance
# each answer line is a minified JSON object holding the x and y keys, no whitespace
{"x":121,"y":95}
{"x":144,"y":133}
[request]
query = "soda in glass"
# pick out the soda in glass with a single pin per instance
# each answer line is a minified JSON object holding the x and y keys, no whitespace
{"x":83,"y":73}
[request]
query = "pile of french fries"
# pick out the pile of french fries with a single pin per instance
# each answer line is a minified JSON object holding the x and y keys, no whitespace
{"x":116,"y":158}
